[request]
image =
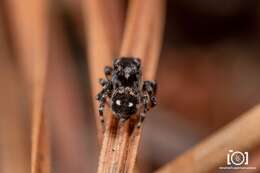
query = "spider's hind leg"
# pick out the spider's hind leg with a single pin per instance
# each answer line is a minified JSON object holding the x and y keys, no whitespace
{"x":150,"y":87}
{"x":145,"y":101}
{"x":101,"y":97}
{"x":101,"y":110}
{"x":148,"y":99}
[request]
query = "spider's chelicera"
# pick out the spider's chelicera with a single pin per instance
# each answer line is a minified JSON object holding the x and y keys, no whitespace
{"x":126,"y":92}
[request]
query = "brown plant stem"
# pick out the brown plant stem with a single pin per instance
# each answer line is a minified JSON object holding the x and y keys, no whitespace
{"x":143,"y":33}
{"x":242,"y":134}
{"x":29,"y":24}
{"x":66,"y":108}
{"x":104,"y":21}
{"x":14,"y":145}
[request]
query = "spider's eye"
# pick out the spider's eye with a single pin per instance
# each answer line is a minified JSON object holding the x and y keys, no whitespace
{"x":130,"y":104}
{"x":118,"y":102}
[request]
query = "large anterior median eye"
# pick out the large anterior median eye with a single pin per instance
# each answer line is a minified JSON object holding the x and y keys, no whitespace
{"x":118,"y":102}
{"x":130,"y":104}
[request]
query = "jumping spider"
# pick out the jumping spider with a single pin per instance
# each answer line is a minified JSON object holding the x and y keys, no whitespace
{"x":127,"y":93}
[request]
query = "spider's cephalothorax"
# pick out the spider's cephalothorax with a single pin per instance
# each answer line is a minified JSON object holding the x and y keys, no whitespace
{"x":125,"y":89}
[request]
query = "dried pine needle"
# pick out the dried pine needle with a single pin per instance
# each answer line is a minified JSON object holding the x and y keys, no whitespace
{"x":29,"y":24}
{"x":104,"y":21}
{"x":143,"y":33}
{"x":243,"y":134}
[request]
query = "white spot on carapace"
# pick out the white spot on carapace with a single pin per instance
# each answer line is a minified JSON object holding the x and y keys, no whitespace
{"x":118,"y":102}
{"x":130,"y":104}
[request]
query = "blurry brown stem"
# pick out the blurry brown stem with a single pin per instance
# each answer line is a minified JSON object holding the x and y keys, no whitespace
{"x":14,"y":141}
{"x":242,"y":134}
{"x":104,"y":21}
{"x":142,"y":38}
{"x":29,"y":23}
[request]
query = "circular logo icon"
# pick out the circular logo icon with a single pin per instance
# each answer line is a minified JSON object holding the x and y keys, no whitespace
{"x":237,"y":158}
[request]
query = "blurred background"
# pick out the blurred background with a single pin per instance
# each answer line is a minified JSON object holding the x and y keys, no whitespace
{"x":208,"y":74}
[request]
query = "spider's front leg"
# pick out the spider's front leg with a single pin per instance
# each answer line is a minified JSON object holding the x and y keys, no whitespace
{"x":108,"y":72}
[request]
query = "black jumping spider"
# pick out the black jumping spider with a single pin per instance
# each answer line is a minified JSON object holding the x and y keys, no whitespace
{"x":126,"y":91}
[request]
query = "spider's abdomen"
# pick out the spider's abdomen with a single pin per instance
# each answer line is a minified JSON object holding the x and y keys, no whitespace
{"x":124,"y":102}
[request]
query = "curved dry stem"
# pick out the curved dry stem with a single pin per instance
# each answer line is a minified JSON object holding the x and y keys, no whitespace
{"x":242,"y":134}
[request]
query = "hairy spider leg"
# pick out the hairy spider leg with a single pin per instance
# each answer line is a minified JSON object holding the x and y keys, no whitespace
{"x":108,"y":72}
{"x":150,"y":87}
{"x":149,"y":90}
{"x":145,"y":101}
{"x":101,"y":97}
